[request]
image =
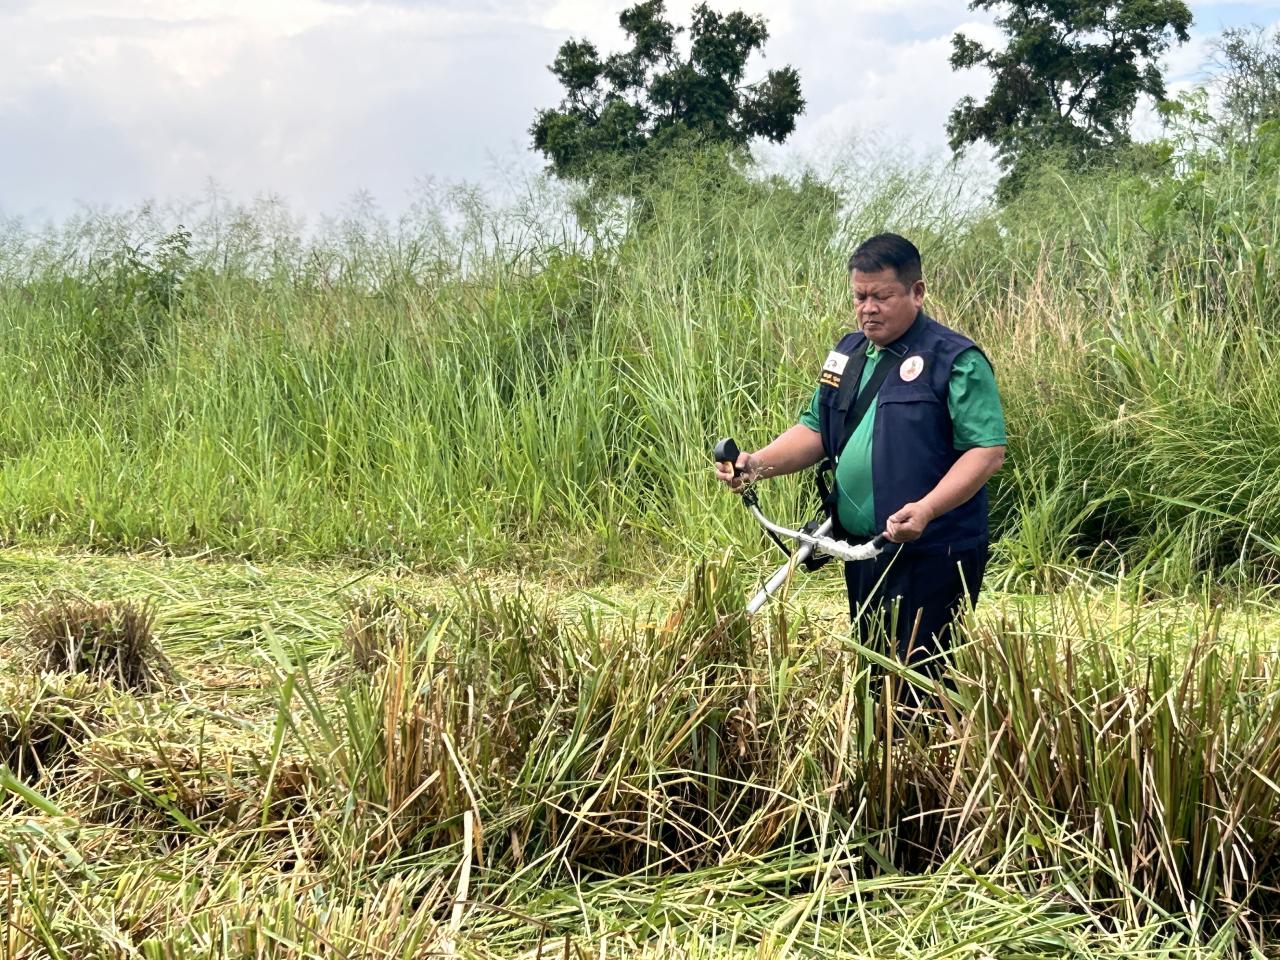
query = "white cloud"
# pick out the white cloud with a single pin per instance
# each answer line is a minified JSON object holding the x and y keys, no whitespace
{"x":110,"y":101}
{"x":310,"y":99}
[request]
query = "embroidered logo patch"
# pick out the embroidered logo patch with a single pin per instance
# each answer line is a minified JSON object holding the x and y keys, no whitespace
{"x":911,"y":368}
{"x":833,"y":368}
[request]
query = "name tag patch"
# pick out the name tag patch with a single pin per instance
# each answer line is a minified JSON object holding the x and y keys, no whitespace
{"x":833,"y":368}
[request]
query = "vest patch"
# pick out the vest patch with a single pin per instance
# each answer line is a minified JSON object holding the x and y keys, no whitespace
{"x":833,"y":369}
{"x":911,"y":368}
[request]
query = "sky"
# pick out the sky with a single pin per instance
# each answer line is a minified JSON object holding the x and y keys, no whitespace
{"x":110,"y":103}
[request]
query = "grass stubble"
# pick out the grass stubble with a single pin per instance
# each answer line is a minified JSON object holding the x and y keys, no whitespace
{"x":425,"y":768}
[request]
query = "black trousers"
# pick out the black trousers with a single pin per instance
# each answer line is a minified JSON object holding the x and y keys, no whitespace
{"x":913,"y":599}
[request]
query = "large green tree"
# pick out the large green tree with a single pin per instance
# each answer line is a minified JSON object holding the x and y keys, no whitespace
{"x":1068,"y":78}
{"x":622,"y":111}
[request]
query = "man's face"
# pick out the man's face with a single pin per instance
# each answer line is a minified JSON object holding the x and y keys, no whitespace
{"x":886,"y":309}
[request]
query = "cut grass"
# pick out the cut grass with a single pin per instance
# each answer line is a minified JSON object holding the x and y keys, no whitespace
{"x":532,"y":772}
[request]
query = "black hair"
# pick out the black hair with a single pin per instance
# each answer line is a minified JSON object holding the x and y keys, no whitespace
{"x":888,"y":251}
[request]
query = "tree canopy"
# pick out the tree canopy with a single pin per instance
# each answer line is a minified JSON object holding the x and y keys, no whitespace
{"x":1068,"y":78}
{"x":629,"y":107}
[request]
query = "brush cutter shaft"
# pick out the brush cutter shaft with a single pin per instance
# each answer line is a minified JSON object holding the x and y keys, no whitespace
{"x":783,"y":573}
{"x":810,"y":543}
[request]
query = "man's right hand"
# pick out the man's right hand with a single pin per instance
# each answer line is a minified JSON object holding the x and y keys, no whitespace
{"x":794,"y":449}
{"x":748,"y":463}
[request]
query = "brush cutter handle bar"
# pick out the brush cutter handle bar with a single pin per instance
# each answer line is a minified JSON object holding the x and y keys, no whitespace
{"x":727,"y":452}
{"x":783,"y":573}
{"x":823,"y":544}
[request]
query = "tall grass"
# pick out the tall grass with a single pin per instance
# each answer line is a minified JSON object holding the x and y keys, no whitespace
{"x":498,"y":388}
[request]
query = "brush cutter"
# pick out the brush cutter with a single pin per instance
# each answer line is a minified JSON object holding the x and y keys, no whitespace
{"x":812,"y":538}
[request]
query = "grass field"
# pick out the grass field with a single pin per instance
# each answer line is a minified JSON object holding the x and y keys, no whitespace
{"x":365,"y":594}
{"x":511,"y":392}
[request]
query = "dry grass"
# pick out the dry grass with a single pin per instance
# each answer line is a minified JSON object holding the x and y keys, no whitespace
{"x":112,"y":641}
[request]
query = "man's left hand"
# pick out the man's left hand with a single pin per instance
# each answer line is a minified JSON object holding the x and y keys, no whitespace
{"x":908,"y":523}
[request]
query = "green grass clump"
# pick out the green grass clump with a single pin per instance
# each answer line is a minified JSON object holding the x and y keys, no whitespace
{"x":379,"y":623}
{"x":1140,"y":757}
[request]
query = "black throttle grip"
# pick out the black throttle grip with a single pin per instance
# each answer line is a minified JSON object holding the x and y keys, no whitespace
{"x":727,"y":452}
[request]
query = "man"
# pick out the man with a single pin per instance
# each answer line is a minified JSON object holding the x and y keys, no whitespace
{"x":908,"y":413}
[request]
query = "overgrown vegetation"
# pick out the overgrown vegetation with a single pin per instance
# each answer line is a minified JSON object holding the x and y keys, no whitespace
{"x":509,"y":392}
{"x":344,"y":764}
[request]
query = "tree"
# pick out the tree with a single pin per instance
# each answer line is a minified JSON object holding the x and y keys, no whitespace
{"x":624,"y":111}
{"x":1067,"y":81}
{"x":1248,"y":60}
